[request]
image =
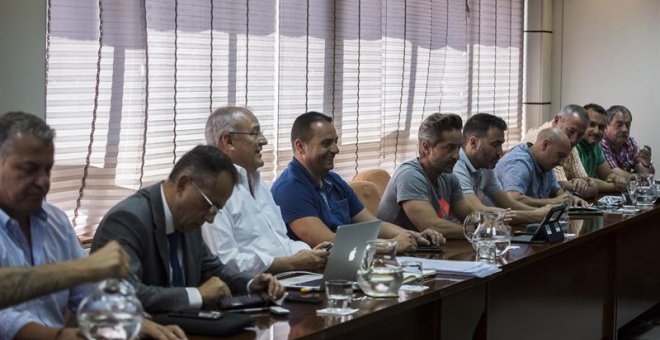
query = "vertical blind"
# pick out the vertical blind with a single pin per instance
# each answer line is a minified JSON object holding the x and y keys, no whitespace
{"x":130,"y":83}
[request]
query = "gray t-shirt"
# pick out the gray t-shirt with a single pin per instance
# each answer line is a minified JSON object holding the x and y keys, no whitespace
{"x":410,"y":183}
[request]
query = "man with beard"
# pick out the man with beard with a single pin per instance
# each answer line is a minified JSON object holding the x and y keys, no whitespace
{"x":526,"y":170}
{"x":249,"y":232}
{"x":483,"y":136}
{"x":423,"y":193}
{"x":572,"y":120}
{"x":621,"y":150}
{"x":592,"y":157}
{"x":315,"y":201}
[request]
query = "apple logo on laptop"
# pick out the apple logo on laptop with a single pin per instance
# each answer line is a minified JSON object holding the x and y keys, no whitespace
{"x":351,"y":255}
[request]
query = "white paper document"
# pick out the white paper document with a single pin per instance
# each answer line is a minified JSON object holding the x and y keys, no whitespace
{"x":466,"y":268}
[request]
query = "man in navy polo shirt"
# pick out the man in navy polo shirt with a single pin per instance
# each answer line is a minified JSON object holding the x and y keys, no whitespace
{"x":315,"y":200}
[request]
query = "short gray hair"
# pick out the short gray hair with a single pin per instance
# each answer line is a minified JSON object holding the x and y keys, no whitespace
{"x":573,"y":109}
{"x":18,"y":122}
{"x":222,"y":121}
{"x":614,"y":109}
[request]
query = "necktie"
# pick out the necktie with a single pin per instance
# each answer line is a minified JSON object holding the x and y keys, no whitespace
{"x":177,"y":274}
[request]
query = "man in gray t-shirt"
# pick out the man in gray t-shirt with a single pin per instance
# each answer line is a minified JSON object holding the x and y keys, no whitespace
{"x":409,"y":182}
{"x":422,"y":192}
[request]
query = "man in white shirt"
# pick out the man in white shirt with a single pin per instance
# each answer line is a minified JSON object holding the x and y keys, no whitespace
{"x":249,"y":233}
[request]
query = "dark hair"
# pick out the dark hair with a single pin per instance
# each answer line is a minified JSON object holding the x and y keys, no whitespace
{"x":614,"y":109}
{"x":595,"y":107}
{"x":479,"y":124}
{"x":301,"y":126}
{"x":434,"y":125}
{"x":205,"y":163}
{"x":13,"y":123}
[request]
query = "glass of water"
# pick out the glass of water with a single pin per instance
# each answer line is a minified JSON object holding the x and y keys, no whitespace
{"x":339,"y":293}
{"x":486,"y":251}
{"x":410,"y":269}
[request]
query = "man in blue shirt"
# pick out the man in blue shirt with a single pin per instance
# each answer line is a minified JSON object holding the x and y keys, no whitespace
{"x":315,"y":200}
{"x":526,"y":170}
{"x":35,"y":233}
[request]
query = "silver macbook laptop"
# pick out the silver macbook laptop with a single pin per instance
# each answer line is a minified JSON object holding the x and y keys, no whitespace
{"x":344,"y":259}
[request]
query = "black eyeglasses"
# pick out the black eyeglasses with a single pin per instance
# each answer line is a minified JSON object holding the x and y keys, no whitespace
{"x":213,"y":208}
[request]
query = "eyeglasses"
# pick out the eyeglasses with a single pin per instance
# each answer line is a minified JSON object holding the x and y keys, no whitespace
{"x":213,"y":208}
{"x":256,"y":135}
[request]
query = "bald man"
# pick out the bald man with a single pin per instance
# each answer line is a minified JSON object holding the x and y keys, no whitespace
{"x":572,"y":120}
{"x":526,"y":170}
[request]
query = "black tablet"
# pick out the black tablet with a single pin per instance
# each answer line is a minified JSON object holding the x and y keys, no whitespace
{"x":548,"y":231}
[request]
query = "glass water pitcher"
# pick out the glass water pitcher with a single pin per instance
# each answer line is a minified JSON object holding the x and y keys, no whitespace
{"x":380,"y":274}
{"x":111,"y":312}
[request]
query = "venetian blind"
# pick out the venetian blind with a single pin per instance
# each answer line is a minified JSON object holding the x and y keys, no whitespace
{"x":130,"y":83}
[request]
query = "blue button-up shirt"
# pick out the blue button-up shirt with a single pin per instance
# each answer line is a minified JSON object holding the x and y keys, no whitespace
{"x":300,"y":195}
{"x":53,"y":240}
{"x":519,"y":172}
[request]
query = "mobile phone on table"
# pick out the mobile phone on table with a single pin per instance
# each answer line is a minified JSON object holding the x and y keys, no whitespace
{"x":277,"y":310}
{"x":196,"y":314}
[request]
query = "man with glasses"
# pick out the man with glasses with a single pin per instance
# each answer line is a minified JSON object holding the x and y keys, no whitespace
{"x":159,"y":227}
{"x":249,"y":232}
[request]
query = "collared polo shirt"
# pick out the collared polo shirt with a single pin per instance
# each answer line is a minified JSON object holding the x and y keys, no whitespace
{"x":300,"y":195}
{"x":591,"y":156}
{"x":519,"y":172}
{"x":481,"y":182}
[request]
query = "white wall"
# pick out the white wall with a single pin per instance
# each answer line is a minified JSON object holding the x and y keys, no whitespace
{"x":608,"y":52}
{"x":22,"y":51}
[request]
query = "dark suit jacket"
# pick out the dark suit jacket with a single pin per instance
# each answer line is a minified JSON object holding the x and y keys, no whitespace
{"x":138,"y":224}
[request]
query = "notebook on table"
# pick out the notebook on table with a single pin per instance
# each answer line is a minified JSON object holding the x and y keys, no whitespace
{"x":344,"y":259}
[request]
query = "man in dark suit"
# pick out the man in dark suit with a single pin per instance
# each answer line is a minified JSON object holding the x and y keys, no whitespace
{"x":159,"y":227}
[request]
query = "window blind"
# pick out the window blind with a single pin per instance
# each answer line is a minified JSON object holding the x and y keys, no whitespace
{"x":130,"y":83}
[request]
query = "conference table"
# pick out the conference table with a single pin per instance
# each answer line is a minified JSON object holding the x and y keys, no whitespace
{"x":585,"y":287}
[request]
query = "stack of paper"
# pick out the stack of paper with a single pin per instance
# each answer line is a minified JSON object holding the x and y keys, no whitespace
{"x":465,"y":268}
{"x":410,"y":277}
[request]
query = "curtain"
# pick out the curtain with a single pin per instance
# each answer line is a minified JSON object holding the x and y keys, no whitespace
{"x":130,"y":83}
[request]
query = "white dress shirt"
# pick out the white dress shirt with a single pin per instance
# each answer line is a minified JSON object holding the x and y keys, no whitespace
{"x":248,"y":233}
{"x":194,"y":296}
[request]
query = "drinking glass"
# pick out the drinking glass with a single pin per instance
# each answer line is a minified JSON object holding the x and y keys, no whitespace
{"x":413,"y":268}
{"x":632,"y":189}
{"x":486,"y":251}
{"x":339,"y":294}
